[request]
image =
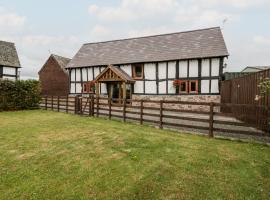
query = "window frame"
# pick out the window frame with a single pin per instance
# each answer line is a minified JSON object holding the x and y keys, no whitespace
{"x":87,"y":89}
{"x":187,"y":86}
{"x":134,"y":71}
{"x":197,"y":86}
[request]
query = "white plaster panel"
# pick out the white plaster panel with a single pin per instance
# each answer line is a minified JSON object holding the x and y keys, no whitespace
{"x":138,"y":87}
{"x":90,"y":74}
{"x":193,"y":68}
{"x":205,"y":67}
{"x":183,"y":67}
{"x":9,"y":78}
{"x":96,"y":71}
{"x":150,"y":71}
{"x":72,"y":88}
{"x":214,"y":86}
{"x":150,"y":87}
{"x":205,"y":86}
{"x":72,"y":74}
{"x":9,"y":70}
{"x":103,"y":88}
{"x":215,"y":67}
{"x":127,"y":69}
{"x":171,"y":88}
{"x":162,"y":70}
{"x":162,"y":87}
{"x":171,"y":69}
{"x":78,"y":75}
{"x":78,"y":88}
{"x":84,"y":74}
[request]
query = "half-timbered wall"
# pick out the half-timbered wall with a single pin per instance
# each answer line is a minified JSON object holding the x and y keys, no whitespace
{"x":159,"y":76}
{"x":10,"y":73}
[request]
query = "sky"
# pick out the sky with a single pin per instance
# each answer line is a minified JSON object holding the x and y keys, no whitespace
{"x":40,"y":28}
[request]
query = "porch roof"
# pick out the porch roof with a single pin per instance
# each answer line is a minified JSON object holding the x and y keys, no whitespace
{"x":112,"y":73}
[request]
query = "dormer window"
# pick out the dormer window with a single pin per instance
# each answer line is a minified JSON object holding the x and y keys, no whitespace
{"x":137,"y":71}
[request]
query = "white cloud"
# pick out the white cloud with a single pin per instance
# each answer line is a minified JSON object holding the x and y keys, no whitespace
{"x":241,"y":4}
{"x":10,"y":21}
{"x":262,"y":40}
{"x":192,"y":13}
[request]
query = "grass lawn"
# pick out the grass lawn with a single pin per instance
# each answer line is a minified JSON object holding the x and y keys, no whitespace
{"x":49,"y":155}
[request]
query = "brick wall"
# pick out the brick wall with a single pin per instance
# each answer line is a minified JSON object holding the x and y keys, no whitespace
{"x":54,"y":80}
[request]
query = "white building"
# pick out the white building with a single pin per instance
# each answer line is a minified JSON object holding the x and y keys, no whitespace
{"x":184,"y":64}
{"x":9,"y":61}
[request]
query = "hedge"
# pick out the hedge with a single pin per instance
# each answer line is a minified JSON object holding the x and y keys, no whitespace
{"x":19,"y":95}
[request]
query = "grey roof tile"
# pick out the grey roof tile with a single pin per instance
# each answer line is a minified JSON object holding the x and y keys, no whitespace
{"x":8,"y":54}
{"x":62,"y":61}
{"x":183,"y":45}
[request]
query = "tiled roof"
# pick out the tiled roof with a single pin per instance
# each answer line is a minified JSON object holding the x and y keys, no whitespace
{"x":183,"y":45}
{"x":62,"y":61}
{"x":8,"y":54}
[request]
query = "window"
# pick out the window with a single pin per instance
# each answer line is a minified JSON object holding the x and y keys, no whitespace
{"x":137,"y":71}
{"x":183,"y":87}
{"x":85,"y":88}
{"x":89,"y":87}
{"x":187,"y":87}
{"x":193,"y":86}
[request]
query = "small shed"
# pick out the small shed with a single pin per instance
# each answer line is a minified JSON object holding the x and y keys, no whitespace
{"x":53,"y":76}
{"x":9,"y":61}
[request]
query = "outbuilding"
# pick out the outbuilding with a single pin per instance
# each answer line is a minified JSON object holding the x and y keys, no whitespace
{"x":54,"y":77}
{"x":9,"y":61}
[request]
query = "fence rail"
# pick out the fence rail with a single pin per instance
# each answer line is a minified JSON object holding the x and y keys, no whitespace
{"x":165,"y":114}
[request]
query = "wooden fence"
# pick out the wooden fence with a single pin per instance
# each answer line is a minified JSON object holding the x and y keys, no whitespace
{"x":245,"y":90}
{"x":164,"y":114}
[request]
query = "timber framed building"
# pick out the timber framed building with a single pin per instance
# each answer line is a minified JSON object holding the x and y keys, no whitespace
{"x":184,"y":65}
{"x":9,"y":61}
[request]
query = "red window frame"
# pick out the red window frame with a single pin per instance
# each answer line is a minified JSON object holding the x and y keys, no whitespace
{"x":88,"y":88}
{"x":196,"y":90}
{"x":186,"y":91}
{"x":134,"y":75}
{"x":85,"y":88}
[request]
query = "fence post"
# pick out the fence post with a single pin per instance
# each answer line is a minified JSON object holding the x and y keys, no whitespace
{"x":97,"y":106}
{"x":161,"y":115}
{"x":67,"y":104}
{"x":141,"y":112}
{"x":76,"y":106}
{"x":211,"y":120}
{"x":124,"y":109}
{"x":58,"y":107}
{"x":52,"y":103}
{"x":46,"y":102}
{"x":110,"y":108}
{"x":92,"y":106}
{"x":81,"y":105}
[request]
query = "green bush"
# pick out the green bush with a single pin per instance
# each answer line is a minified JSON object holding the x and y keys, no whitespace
{"x":19,"y":95}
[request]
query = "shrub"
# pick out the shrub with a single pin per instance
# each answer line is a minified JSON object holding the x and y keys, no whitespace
{"x":264,"y":86}
{"x":19,"y":95}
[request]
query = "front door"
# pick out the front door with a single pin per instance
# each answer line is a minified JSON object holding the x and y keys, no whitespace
{"x":116,"y":92}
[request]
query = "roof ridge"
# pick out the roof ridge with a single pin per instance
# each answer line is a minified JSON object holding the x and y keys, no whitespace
{"x":7,"y":42}
{"x":60,"y":56}
{"x":164,"y":34}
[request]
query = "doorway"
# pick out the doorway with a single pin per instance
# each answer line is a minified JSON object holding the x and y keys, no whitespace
{"x":116,"y":91}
